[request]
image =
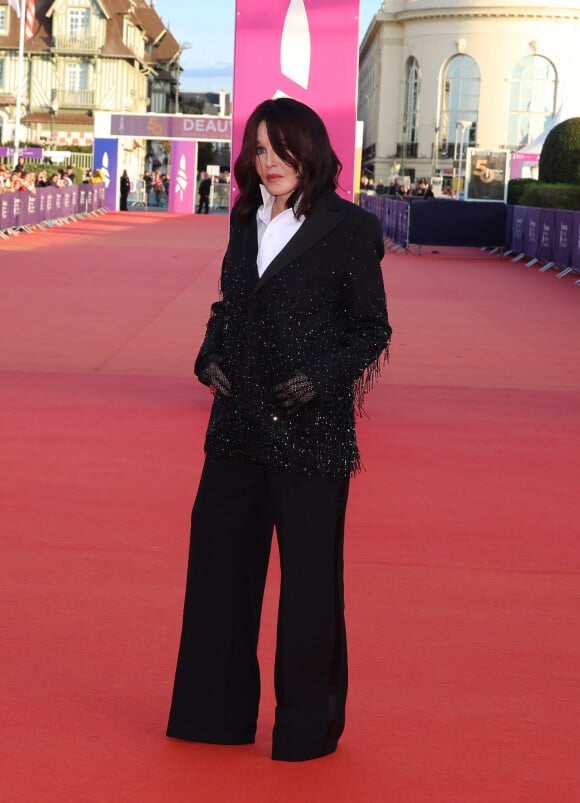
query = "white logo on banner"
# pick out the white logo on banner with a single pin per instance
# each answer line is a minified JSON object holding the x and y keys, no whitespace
{"x":182,"y":182}
{"x":295,"y":45}
{"x":105,"y":169}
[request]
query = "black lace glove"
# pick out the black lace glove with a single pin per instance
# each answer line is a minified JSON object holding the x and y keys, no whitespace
{"x":294,"y":393}
{"x":213,"y":376}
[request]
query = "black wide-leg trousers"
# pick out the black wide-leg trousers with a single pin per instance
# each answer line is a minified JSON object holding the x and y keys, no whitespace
{"x":217,"y":681}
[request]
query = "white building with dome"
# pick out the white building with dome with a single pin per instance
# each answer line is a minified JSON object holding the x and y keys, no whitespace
{"x":491,"y":73}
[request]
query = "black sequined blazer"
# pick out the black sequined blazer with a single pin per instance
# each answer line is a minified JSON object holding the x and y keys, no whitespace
{"x":319,"y":308}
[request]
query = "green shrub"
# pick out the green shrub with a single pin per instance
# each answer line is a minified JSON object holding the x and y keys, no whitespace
{"x":560,"y":157}
{"x":516,"y":187}
{"x":549,"y":196}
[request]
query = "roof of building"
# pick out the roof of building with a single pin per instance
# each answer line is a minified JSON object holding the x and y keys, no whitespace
{"x":161,"y":45}
{"x":63,"y":119}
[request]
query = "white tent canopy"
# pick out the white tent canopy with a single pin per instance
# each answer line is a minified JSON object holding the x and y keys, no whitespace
{"x":563,"y":113}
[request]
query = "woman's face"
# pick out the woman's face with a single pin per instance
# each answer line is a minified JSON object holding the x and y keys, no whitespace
{"x":278,"y":177}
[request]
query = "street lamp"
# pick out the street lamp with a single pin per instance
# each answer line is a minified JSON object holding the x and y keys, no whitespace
{"x":464,"y":125}
{"x":53,"y":112}
{"x":435,"y":159}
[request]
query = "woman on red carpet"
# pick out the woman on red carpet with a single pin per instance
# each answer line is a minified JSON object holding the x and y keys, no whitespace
{"x":291,"y":347}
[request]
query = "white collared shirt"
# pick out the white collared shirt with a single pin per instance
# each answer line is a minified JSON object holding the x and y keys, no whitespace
{"x":273,"y":234}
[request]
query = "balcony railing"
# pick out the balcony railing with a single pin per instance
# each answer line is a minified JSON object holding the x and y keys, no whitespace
{"x":407,"y":149}
{"x":76,"y":99}
{"x":448,"y":151}
{"x":76,"y":44}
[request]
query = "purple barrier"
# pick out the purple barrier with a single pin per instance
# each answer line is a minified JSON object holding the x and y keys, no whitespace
{"x":50,"y":196}
{"x":390,"y":217}
{"x":26,"y":209}
{"x":508,"y":223}
{"x":532,"y":231}
{"x":545,"y":248}
{"x":443,"y":221}
{"x":69,"y":197}
{"x":7,"y":210}
{"x":518,"y":229}
{"x":575,"y":243}
{"x":83,"y":197}
{"x":402,"y":223}
{"x":392,"y":213}
{"x":394,"y":220}
{"x":440,"y":221}
{"x":562,"y":237}
{"x":58,"y":204}
{"x":30,"y":209}
{"x":93,"y":197}
{"x":17,"y":209}
{"x":372,"y":204}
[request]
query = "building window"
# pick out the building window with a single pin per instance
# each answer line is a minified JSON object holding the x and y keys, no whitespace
{"x":411,"y":102}
{"x":1,"y":73}
{"x":78,"y":22}
{"x":3,"y":20}
{"x":459,"y":101}
{"x":532,"y":99}
{"x":77,"y":76}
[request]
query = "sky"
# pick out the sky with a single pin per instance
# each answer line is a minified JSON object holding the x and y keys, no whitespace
{"x":208,"y":27}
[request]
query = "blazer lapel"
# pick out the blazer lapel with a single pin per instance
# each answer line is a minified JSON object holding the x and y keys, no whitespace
{"x":325,"y":216}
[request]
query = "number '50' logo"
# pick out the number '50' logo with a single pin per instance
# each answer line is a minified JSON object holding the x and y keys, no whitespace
{"x":485,"y":173}
{"x":155,"y":127}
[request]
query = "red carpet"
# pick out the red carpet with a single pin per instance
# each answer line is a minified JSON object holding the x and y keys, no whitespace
{"x":463,"y":555}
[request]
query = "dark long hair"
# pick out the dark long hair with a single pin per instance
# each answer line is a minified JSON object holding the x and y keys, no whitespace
{"x":299,"y":138}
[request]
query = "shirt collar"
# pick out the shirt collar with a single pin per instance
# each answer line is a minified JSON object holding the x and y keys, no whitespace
{"x":265,"y":211}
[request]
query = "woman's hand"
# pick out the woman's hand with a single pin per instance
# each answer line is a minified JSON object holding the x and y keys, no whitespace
{"x":218,"y":382}
{"x":294,"y":393}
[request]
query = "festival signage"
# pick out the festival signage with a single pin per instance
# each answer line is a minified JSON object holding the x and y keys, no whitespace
{"x":106,"y":159}
{"x":524,"y":165}
{"x":162,"y":126}
{"x":31,"y":209}
{"x":307,"y":50}
{"x":546,"y":235}
{"x":7,"y":152}
{"x":7,"y":210}
{"x":183,"y":173}
{"x":41,"y":203}
{"x":486,"y":175}
{"x":532,"y":231}
{"x":17,"y":210}
{"x":518,"y":229}
{"x":564,"y":220}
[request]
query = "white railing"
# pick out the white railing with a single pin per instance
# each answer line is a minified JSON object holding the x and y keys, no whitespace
{"x":76,"y":98}
{"x":76,"y":44}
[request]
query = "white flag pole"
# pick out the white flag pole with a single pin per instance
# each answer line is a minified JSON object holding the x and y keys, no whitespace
{"x":20,"y":90}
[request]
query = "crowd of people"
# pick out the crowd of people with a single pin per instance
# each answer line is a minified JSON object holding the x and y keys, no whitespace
{"x":397,"y":189}
{"x":28,"y":178}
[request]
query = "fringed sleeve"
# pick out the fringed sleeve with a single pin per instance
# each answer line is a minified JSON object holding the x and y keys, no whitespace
{"x":365,"y":347}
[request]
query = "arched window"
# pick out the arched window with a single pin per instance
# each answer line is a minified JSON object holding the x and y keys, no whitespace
{"x":459,"y":102}
{"x":532,"y":99}
{"x":410,"y":109}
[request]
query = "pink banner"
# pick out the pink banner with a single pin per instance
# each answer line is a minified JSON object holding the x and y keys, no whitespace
{"x":307,"y":50}
{"x":183,"y":174}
